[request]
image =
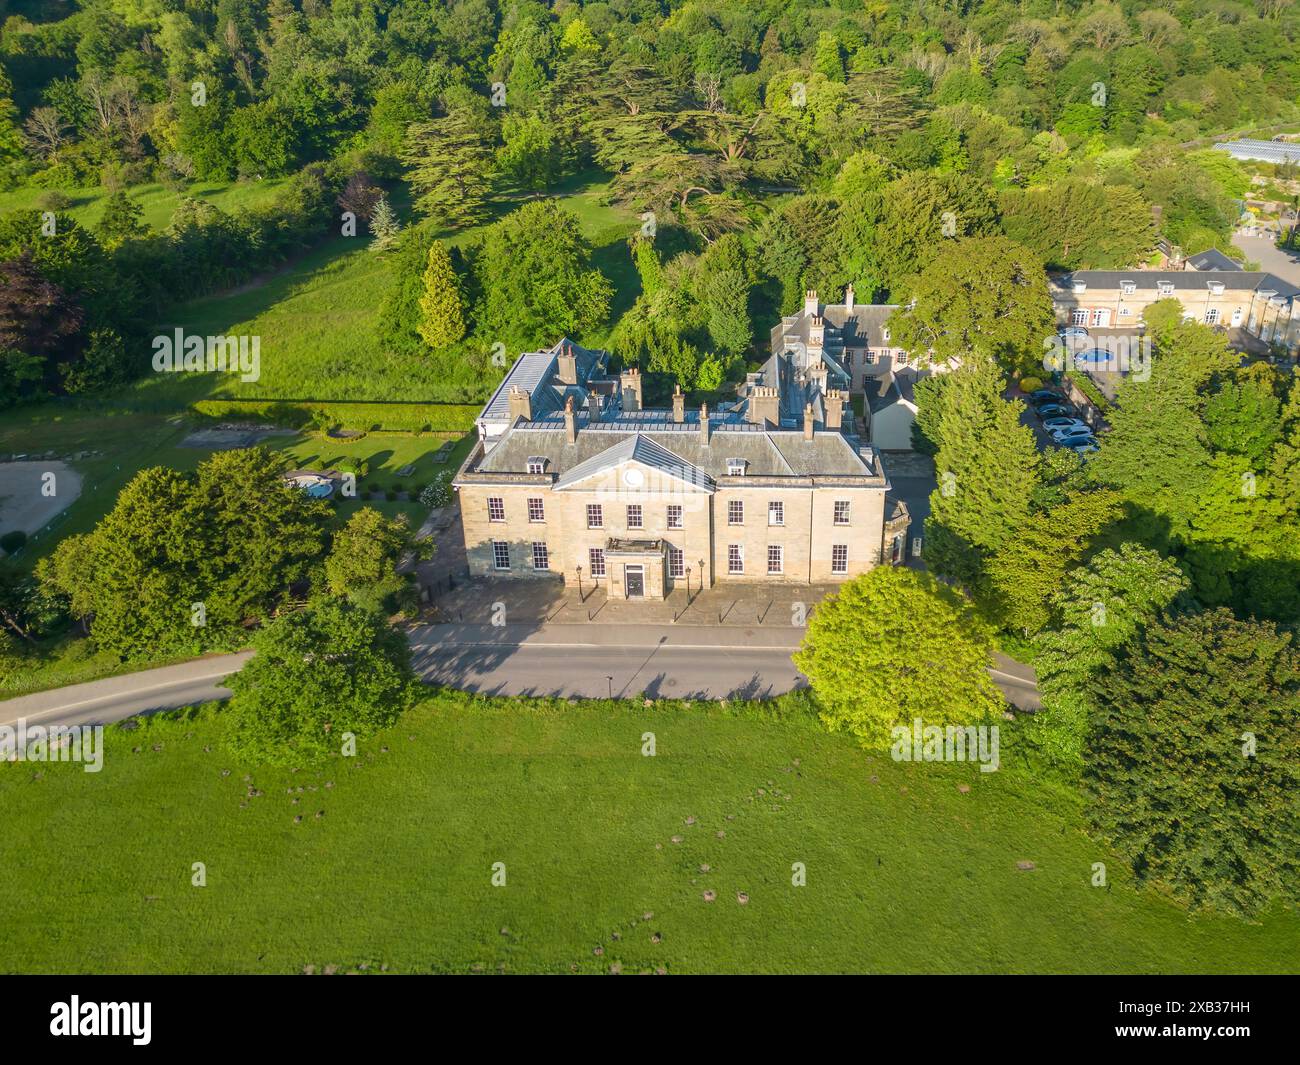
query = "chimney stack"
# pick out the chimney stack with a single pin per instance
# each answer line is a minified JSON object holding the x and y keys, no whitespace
{"x":810,"y":304}
{"x":816,"y":333}
{"x":521,"y":405}
{"x":704,"y":424}
{"x":679,"y":405}
{"x":834,"y":400}
{"x":566,"y":368}
{"x":570,"y":422}
{"x":765,"y":406}
{"x":593,"y":407}
{"x":807,"y":421}
{"x":848,"y":298}
{"x":630,"y":381}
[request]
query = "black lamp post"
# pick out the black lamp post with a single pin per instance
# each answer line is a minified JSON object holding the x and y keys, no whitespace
{"x":578,"y":570}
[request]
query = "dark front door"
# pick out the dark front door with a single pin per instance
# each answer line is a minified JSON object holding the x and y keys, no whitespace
{"x":634,"y":582}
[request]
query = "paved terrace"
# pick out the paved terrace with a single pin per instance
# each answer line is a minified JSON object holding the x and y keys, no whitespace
{"x":546,"y":601}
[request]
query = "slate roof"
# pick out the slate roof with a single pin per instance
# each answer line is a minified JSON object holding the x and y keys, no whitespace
{"x":766,"y":454}
{"x":534,"y":372}
{"x":1181,"y":280}
{"x":1212,"y":259}
{"x":642,"y":449}
{"x":889,"y":388}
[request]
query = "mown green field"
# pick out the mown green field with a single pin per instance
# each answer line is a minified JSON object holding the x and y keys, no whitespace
{"x":905,"y":873}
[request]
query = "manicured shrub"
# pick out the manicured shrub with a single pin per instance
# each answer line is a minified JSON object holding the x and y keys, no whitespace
{"x":1030,"y":384}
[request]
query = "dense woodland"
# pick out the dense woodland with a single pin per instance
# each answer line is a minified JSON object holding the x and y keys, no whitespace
{"x":767,"y":148}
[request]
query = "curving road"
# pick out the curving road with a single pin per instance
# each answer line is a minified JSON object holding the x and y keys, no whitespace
{"x":563,"y":660}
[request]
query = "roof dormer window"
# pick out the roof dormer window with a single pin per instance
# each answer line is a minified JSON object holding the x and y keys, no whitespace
{"x":735,"y":467}
{"x":1079,"y":286}
{"x":1165,"y":288}
{"x":1216,"y":288}
{"x":1128,"y":287}
{"x":536,"y":464}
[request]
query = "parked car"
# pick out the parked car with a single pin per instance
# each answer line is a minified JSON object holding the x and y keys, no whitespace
{"x":1055,"y":410}
{"x":1073,"y":435}
{"x":1071,"y":331}
{"x":1045,"y":395}
{"x":1086,"y":447}
{"x":1063,"y":422}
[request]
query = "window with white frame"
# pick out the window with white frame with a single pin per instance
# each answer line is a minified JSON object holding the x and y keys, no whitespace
{"x":674,"y":516}
{"x":776,"y":512}
{"x":634,"y":516}
{"x":841,"y":512}
{"x":676,"y":562}
{"x":595,"y":516}
{"x":541,"y":559}
{"x":884,"y":334}
{"x":1079,"y":316}
{"x":735,"y":558}
{"x":496,"y":508}
{"x":1128,"y":287}
{"x":1211,"y":315}
{"x":596,"y":557}
{"x":775,"y":559}
{"x":735,"y":512}
{"x":1126,"y":312}
{"x":868,"y":357}
{"x":839,"y":558}
{"x":536,"y":464}
{"x":901,"y":358}
{"x":1165,"y":288}
{"x":500,"y":554}
{"x":536,"y":509}
{"x":735,"y":467}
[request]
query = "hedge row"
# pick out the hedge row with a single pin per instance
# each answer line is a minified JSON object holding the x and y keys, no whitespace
{"x":409,"y":417}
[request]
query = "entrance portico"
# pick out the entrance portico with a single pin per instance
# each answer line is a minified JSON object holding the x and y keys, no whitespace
{"x":634,"y":569}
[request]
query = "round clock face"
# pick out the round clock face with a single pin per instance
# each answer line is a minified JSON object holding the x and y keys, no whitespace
{"x":633,"y":478}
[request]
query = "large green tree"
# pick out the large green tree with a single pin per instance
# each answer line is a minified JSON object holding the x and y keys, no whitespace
{"x":317,"y":676}
{"x":985,"y":296}
{"x":1193,"y":760}
{"x":894,"y":645}
{"x":449,"y":165}
{"x":537,"y":279}
{"x":184,"y":560}
{"x":442,"y":305}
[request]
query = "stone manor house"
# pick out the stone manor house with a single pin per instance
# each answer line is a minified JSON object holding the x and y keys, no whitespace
{"x":573,"y":476}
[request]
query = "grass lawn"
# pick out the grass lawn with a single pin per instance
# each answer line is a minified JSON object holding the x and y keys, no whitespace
{"x":157,"y":203}
{"x":904,"y":872}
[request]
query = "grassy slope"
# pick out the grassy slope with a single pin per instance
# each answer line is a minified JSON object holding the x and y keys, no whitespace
{"x":904,"y":874}
{"x":318,"y":319}
{"x":157,"y":203}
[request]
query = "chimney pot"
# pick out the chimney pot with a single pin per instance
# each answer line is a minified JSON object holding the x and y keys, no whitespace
{"x":808,"y":421}
{"x":704,"y":424}
{"x":570,"y":422}
{"x":679,"y":405}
